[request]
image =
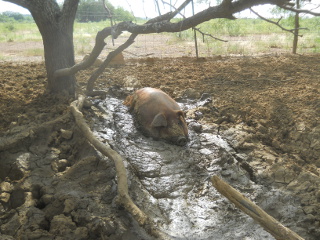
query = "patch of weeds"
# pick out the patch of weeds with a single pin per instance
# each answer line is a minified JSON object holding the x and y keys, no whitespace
{"x":83,"y":46}
{"x":235,"y":48}
{"x":2,"y":58}
{"x":234,"y":30}
{"x":34,"y":52}
{"x":10,"y":27}
{"x":217,"y":47}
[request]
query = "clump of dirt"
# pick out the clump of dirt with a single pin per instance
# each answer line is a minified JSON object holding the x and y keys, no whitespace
{"x":267,"y":107}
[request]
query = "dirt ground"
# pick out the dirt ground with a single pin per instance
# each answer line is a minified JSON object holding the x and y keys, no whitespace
{"x":268,"y":107}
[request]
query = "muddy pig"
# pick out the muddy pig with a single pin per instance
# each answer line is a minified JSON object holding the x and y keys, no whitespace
{"x":158,"y":115}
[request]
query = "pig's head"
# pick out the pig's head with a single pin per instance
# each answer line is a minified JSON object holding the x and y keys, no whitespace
{"x":171,"y":126}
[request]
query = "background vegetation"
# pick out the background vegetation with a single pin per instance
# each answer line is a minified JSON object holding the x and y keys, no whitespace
{"x":244,"y":36}
{"x":91,"y":11}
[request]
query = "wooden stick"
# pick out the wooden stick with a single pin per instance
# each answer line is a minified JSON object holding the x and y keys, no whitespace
{"x":271,"y":225}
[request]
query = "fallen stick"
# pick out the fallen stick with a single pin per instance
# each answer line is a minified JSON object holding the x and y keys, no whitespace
{"x":271,"y":225}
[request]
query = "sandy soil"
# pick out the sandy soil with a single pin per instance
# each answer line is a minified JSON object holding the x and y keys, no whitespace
{"x":273,"y":100}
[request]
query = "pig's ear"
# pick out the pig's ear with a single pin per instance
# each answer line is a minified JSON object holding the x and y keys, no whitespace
{"x":159,"y":121}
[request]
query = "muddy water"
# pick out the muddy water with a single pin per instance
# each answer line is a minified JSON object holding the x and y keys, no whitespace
{"x":171,"y":183}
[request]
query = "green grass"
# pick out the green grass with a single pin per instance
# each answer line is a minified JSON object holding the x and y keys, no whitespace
{"x":245,"y":36}
{"x":19,"y":32}
{"x":34,"y":52}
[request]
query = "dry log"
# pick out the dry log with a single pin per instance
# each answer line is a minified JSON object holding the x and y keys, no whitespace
{"x":271,"y":225}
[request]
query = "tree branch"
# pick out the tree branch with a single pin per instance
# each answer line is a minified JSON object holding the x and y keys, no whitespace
{"x":106,"y":62}
{"x":162,"y":24}
{"x":69,"y":8}
{"x":97,"y":49}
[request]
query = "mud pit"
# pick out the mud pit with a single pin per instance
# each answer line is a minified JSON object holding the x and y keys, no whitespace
{"x":260,"y":132}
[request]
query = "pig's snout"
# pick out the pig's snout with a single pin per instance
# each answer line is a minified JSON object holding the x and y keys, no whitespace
{"x":181,"y":141}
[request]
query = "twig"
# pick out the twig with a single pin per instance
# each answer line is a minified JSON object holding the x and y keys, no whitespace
{"x":173,"y":7}
{"x":300,"y":11}
{"x":277,"y":23}
{"x":157,"y":6}
{"x":271,"y":225}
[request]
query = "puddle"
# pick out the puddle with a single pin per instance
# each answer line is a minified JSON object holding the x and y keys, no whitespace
{"x":170,"y":183}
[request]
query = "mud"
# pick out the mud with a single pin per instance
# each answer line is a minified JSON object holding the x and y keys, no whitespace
{"x":252,"y":121}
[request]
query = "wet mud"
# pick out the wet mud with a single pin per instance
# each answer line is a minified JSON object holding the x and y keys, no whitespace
{"x":254,"y":122}
{"x":171,"y":183}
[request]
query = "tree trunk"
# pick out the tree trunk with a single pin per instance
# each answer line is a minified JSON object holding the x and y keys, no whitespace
{"x":56,"y":27}
{"x":59,"y":53}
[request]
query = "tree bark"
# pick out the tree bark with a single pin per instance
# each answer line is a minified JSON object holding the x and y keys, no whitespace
{"x":59,"y":53}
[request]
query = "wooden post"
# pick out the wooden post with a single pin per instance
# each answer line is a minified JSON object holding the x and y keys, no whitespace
{"x":296,"y":29}
{"x":271,"y":225}
{"x":195,"y":34}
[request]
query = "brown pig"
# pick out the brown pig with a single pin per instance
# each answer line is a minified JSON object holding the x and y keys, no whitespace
{"x":158,"y":115}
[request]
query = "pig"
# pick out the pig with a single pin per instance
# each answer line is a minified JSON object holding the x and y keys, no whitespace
{"x":157,"y":115}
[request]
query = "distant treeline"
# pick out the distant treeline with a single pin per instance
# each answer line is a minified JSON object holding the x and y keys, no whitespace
{"x":94,"y":11}
{"x":15,"y":16}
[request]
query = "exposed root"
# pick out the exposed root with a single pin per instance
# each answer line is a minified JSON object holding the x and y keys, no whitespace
{"x":123,"y":197}
{"x":7,"y":142}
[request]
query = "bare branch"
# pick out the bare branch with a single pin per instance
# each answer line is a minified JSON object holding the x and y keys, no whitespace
{"x":278,"y":23}
{"x":157,"y":6}
{"x":209,"y":35}
{"x":173,"y":7}
{"x":106,"y":62}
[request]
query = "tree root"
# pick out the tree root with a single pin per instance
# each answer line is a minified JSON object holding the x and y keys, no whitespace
{"x":123,"y":197}
{"x":13,"y":140}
